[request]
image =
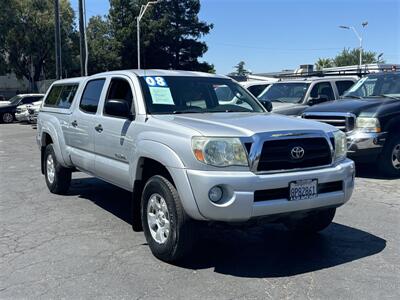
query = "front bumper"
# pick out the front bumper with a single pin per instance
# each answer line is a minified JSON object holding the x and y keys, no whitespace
{"x":22,"y":116}
{"x":240,"y":187}
{"x":365,"y":145}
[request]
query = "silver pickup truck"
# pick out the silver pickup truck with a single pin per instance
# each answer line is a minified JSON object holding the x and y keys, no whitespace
{"x":188,"y":156}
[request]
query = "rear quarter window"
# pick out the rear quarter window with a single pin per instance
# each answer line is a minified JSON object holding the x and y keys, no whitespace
{"x":61,"y":95}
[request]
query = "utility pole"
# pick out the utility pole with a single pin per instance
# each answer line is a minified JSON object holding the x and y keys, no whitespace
{"x":360,"y":39}
{"x":82,"y":47}
{"x":57,"y":39}
{"x":138,"y":19}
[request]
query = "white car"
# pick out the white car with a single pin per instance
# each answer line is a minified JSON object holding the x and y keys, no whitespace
{"x":256,"y":87}
{"x":22,"y":113}
{"x":33,"y":111}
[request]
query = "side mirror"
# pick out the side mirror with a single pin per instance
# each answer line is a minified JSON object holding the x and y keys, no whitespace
{"x":267,"y":105}
{"x":118,"y":108}
{"x":320,"y":99}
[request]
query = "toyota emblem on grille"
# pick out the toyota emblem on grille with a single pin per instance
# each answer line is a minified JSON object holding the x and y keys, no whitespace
{"x":297,"y":152}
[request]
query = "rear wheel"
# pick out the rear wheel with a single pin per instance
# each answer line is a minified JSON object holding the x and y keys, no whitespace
{"x":7,"y":118}
{"x":58,"y":178}
{"x":389,"y":161}
{"x":167,"y":228}
{"x":313,"y":222}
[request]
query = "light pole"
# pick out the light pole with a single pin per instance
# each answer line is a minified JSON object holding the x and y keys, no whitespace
{"x":138,"y":19}
{"x":360,"y":38}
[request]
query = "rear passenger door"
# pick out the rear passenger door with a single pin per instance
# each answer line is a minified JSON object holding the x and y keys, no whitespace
{"x":82,"y":126}
{"x":114,"y":145}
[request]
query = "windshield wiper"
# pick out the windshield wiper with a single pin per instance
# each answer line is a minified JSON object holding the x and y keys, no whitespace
{"x":386,"y":96}
{"x":352,"y":96}
{"x":178,"y":112}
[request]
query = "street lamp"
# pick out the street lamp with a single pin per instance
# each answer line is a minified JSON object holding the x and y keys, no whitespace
{"x":139,"y":18}
{"x":364,"y":24}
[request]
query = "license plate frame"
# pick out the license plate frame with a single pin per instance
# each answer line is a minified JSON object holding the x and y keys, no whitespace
{"x":303,"y":189}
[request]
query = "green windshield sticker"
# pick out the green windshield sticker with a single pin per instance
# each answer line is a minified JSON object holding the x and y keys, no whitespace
{"x":161,"y":95}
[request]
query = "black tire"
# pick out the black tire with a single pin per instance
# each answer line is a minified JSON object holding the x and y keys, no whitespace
{"x":7,"y":118}
{"x":180,"y":239}
{"x":313,"y":222}
{"x":62,"y":176}
{"x":385,"y":161}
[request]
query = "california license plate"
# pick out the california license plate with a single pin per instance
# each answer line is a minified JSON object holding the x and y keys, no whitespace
{"x":303,"y":189}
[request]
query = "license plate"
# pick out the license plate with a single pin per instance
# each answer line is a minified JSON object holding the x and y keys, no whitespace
{"x":303,"y":190}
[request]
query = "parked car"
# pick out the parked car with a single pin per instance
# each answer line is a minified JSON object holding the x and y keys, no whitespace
{"x":9,"y":109}
{"x":370,"y":116}
{"x":22,"y":113}
{"x":33,"y":111}
{"x":256,"y":87}
{"x":187,"y":155}
{"x":292,"y":97}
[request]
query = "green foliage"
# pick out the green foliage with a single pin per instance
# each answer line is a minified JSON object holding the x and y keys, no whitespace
{"x":27,"y":36}
{"x":323,"y":63}
{"x":348,"y":57}
{"x":103,"y":47}
{"x":170,"y":33}
{"x":240,"y":69}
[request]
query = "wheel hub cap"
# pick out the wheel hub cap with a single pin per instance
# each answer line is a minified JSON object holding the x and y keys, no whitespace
{"x":396,"y":157}
{"x":158,"y":218}
{"x":7,"y":117}
{"x":50,"y":168}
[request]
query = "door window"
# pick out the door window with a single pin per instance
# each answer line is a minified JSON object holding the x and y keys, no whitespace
{"x":343,"y":86}
{"x":120,"y":89}
{"x":322,"y":89}
{"x":91,"y":96}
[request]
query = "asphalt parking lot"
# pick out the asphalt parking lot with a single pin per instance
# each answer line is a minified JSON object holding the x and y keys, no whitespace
{"x":82,"y":245}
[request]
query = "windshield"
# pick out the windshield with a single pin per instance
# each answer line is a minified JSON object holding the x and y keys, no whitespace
{"x":15,"y":100}
{"x":288,"y":92}
{"x":379,"y":85}
{"x":174,"y":95}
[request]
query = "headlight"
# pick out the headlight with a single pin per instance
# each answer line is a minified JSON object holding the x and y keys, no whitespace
{"x":219,"y":152}
{"x":340,"y":145}
{"x":368,"y":124}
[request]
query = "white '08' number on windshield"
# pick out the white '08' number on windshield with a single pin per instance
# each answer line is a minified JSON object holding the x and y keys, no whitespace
{"x":155,"y":81}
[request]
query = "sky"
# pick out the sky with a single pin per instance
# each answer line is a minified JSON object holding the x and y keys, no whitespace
{"x":272,"y":35}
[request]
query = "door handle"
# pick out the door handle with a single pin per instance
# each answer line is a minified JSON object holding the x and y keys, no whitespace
{"x":74,"y":123}
{"x":99,"y":128}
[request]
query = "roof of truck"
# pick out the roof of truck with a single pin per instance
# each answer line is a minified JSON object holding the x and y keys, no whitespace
{"x":155,"y":72}
{"x":314,"y":79}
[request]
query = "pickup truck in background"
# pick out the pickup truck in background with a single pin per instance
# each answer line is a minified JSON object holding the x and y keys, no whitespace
{"x":292,"y":96}
{"x":369,"y":114}
{"x":189,"y":156}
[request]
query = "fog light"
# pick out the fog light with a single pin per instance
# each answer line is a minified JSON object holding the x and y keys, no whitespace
{"x":215,"y":194}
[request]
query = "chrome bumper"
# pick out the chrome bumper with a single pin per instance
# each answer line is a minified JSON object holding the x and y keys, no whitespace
{"x":358,"y":140}
{"x":240,"y":187}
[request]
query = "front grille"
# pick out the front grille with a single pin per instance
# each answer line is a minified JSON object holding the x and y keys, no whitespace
{"x":344,"y":123}
{"x":283,"y":193}
{"x":276,"y":155}
{"x":31,"y":111}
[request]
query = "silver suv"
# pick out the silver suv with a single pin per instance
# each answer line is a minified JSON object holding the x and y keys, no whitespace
{"x":186,"y":154}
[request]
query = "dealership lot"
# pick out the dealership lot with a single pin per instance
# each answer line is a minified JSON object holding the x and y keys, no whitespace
{"x":82,"y":245}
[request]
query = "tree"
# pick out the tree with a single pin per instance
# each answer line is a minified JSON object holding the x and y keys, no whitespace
{"x":170,"y":33}
{"x":240,"y":69}
{"x":348,"y":57}
{"x":352,"y":57}
{"x":103,"y":47}
{"x":323,"y":63}
{"x":27,"y":35}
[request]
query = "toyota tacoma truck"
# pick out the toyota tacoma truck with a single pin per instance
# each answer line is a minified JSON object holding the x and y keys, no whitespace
{"x":189,"y":157}
{"x":369,"y":114}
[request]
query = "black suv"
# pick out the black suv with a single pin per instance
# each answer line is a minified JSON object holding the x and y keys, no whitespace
{"x":369,"y":113}
{"x":9,"y":108}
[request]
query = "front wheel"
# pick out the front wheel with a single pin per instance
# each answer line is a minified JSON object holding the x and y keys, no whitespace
{"x":313,"y":222}
{"x":7,"y":118}
{"x":389,"y":160}
{"x":58,"y":178}
{"x":166,"y":226}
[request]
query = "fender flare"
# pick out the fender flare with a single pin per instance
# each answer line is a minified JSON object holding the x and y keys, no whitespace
{"x":57,"y":143}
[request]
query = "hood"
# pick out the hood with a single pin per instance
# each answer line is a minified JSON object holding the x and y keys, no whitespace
{"x":355,"y":106}
{"x":242,"y":124}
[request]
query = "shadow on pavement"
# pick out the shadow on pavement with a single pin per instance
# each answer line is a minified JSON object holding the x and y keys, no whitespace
{"x":365,"y":170}
{"x":257,"y":252}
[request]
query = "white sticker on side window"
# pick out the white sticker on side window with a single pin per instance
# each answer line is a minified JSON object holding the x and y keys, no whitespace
{"x":161,"y":95}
